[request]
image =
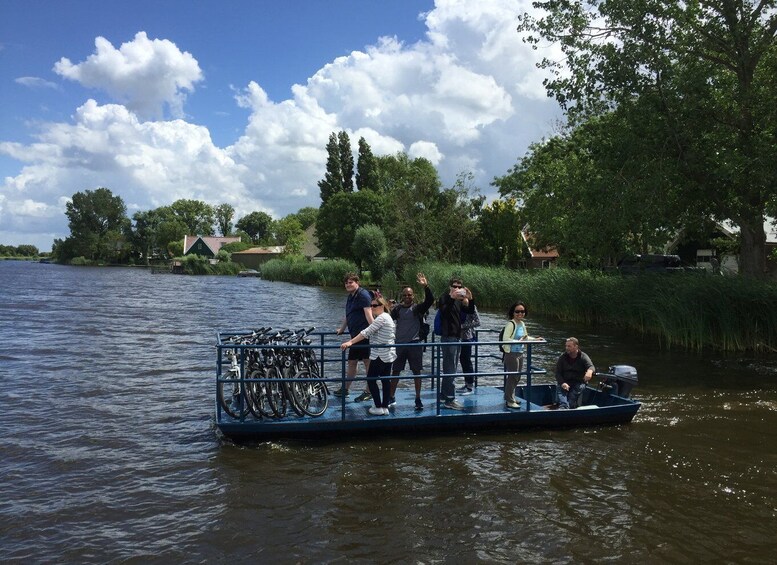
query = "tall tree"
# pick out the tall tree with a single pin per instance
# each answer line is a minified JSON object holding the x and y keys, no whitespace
{"x":332,"y":183}
{"x":366,"y":168}
{"x":257,"y":225}
{"x":197,"y":216}
{"x":342,"y":215}
{"x":709,"y":71}
{"x":346,"y":160}
{"x":224,"y":214}
{"x":500,"y":233}
{"x":97,"y":221}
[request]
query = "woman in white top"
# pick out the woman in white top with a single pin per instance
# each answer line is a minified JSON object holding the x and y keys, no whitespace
{"x":379,"y":332}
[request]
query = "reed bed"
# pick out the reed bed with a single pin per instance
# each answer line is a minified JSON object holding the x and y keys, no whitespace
{"x":689,"y":310}
{"x":318,"y":273}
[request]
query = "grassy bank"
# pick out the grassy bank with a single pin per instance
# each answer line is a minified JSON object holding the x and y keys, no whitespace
{"x":689,"y":310}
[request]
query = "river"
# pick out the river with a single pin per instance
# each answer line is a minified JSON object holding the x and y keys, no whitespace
{"x":110,"y":453}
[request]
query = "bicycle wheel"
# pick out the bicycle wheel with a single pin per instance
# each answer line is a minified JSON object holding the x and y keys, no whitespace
{"x":294,"y":392}
{"x":256,"y":392}
{"x":230,"y":395}
{"x":312,"y":394}
{"x":275,"y":396}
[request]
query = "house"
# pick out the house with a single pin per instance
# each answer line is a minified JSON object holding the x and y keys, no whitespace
{"x":701,"y":254}
{"x":254,"y":257}
{"x":205,"y":245}
{"x":544,"y":258}
{"x":310,"y":248}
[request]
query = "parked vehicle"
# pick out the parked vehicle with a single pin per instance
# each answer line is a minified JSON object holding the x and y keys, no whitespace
{"x":650,"y":263}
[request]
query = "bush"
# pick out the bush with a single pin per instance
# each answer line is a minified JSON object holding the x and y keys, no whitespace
{"x":299,"y":270}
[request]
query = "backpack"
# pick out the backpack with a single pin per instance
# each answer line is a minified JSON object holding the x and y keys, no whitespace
{"x":437,"y":323}
{"x":505,"y":348}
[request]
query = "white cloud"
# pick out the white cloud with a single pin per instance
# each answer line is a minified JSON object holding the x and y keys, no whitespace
{"x":427,"y":150}
{"x":467,"y":98}
{"x":36,"y":82}
{"x":144,"y":74}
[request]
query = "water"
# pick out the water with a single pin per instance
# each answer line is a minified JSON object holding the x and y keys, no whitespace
{"x":110,"y":453}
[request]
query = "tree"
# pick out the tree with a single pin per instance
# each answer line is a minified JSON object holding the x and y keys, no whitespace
{"x":590,"y":192}
{"x":366,"y":168}
{"x":708,"y":73}
{"x":500,"y":233}
{"x":224,"y":214}
{"x":256,"y":224}
{"x":370,"y":249}
{"x":97,"y":221}
{"x":25,"y":250}
{"x":342,"y":215}
{"x":287,"y":228}
{"x":197,"y":216}
{"x":346,"y":160}
{"x":306,"y":216}
{"x":332,"y":183}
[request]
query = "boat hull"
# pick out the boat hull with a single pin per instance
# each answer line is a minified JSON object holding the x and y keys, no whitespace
{"x":483,"y":411}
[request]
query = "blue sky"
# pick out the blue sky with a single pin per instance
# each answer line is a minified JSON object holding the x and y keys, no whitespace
{"x":233,"y":101}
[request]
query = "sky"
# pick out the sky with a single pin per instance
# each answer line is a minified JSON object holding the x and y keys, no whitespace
{"x":233,"y":101}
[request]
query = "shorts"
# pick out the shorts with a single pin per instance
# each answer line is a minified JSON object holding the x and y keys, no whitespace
{"x":359,"y":351}
{"x":413,"y":355}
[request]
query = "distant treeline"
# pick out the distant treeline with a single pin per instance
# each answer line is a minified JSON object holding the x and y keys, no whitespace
{"x":689,"y":310}
{"x":19,"y":251}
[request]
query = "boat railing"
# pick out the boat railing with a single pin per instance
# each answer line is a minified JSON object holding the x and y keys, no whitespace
{"x":332,"y":359}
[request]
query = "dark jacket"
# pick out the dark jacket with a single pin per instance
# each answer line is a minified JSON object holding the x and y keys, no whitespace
{"x":450,"y":315}
{"x":572,"y":371}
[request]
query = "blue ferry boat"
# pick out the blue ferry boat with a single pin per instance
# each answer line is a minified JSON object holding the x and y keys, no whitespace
{"x":241,"y":391}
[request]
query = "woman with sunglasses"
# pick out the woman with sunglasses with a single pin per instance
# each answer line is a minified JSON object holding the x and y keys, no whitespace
{"x":512,"y":353}
{"x":380,"y":332}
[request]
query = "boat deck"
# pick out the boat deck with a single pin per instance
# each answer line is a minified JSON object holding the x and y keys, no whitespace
{"x":484,"y":409}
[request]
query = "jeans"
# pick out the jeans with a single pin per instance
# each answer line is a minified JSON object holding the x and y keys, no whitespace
{"x":465,"y":357}
{"x":379,"y":368}
{"x":570,"y":398}
{"x":450,"y":359}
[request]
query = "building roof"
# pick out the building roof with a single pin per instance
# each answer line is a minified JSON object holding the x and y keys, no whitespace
{"x":549,"y":252}
{"x":213,"y":243}
{"x":272,"y":250}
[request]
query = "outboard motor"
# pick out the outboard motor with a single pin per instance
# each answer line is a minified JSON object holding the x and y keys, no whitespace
{"x":619,"y":380}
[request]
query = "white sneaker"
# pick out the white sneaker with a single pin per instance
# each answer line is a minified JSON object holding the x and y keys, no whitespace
{"x":377,"y":411}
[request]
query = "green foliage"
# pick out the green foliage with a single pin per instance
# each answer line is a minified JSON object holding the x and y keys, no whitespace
{"x":346,"y":160}
{"x":695,"y":85}
{"x":236,"y":246}
{"x":199,"y":265}
{"x":690,"y":310}
{"x":367,"y":168}
{"x":80,"y":261}
{"x":342,"y":215}
{"x":224,"y":214}
{"x":369,"y":249}
{"x":197,"y":216}
{"x":23,"y":250}
{"x":300,"y":270}
{"x":257,"y":225}
{"x":305,"y":216}
{"x":98,"y":223}
{"x":332,"y":183}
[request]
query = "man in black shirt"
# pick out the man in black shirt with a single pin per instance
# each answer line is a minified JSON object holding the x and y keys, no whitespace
{"x":573,"y":370}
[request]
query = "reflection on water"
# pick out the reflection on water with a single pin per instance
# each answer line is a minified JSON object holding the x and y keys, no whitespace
{"x":109,"y":450}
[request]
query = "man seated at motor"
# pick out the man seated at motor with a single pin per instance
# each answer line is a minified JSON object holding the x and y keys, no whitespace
{"x":573,"y":370}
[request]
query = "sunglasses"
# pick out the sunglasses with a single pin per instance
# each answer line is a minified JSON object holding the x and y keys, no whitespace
{"x":519,"y":312}
{"x":376,"y":305}
{"x":455,"y":286}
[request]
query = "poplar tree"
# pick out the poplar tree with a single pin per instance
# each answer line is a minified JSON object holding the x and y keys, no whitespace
{"x":332,"y":183}
{"x":366,"y":168}
{"x":346,"y":161}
